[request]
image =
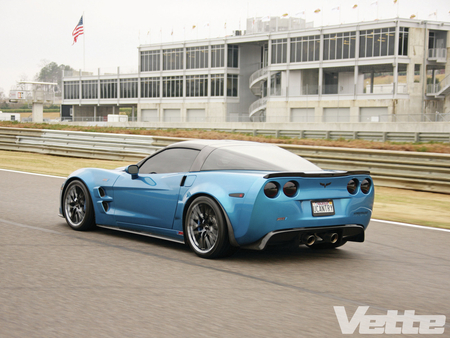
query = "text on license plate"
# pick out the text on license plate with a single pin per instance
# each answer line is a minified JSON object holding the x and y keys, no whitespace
{"x":322,"y":208}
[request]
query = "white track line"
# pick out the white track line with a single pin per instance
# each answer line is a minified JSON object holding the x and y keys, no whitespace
{"x":410,"y":225}
{"x":24,"y":172}
{"x":373,"y":219}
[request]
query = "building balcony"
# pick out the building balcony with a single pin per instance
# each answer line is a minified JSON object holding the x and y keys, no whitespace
{"x":438,"y":55}
{"x":440,"y":89}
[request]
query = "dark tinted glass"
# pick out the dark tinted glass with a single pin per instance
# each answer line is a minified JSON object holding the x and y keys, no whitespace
{"x":175,"y":160}
{"x":256,"y":158}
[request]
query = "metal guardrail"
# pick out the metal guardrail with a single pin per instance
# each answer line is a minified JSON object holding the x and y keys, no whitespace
{"x":400,"y":169}
{"x":122,"y":147}
{"x":346,"y":135}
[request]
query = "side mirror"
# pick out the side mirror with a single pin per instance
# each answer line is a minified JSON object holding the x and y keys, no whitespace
{"x":133,"y":170}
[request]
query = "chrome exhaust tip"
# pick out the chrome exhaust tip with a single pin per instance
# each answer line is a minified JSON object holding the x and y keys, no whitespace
{"x":308,"y":239}
{"x":331,"y":238}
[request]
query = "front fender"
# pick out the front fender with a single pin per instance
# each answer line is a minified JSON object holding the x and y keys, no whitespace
{"x":99,"y":183}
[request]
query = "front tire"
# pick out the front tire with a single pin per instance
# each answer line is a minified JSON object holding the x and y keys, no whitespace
{"x":77,"y":206}
{"x":206,"y":230}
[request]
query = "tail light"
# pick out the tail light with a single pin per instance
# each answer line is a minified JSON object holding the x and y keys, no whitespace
{"x":290,"y":188}
{"x":365,"y":185}
{"x":271,"y":189}
{"x":352,"y":186}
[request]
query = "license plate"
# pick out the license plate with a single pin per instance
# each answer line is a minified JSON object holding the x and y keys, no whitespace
{"x":322,"y":208}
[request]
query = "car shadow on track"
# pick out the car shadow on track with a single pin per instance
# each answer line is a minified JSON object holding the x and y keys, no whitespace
{"x":289,"y":253}
{"x":158,"y":246}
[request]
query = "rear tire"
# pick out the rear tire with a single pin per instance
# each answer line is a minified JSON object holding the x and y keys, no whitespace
{"x":206,"y":229}
{"x":77,"y":206}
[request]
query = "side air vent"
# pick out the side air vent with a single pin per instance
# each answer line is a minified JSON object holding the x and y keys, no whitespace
{"x":101,"y":192}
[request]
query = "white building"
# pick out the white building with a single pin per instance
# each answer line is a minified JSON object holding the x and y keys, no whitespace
{"x":280,"y":71}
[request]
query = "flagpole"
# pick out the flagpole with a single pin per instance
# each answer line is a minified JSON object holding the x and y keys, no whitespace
{"x":84,"y":45}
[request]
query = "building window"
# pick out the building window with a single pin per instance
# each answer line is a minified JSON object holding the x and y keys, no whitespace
{"x":417,"y":73}
{"x":128,"y":88}
{"x":305,"y":48}
{"x":150,"y":61}
{"x":217,"y":56}
{"x":377,"y":42}
{"x":233,"y":56}
{"x":197,"y":57}
{"x":275,"y":84}
{"x":403,"y":41}
{"x":108,"y":89}
{"x":197,"y":85}
{"x":71,"y":90}
{"x":89,"y":89}
{"x":173,"y":59}
{"x":339,"y":46}
{"x":150,"y":87}
{"x":378,"y":79}
{"x":217,"y":85}
{"x":172,"y":86}
{"x":264,"y":55}
{"x":431,"y":40}
{"x":232,"y":85}
{"x":279,"y":49}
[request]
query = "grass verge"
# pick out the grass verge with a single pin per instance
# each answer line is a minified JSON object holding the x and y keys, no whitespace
{"x":423,"y":208}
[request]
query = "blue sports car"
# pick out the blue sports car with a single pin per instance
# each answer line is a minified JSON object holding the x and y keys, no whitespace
{"x":217,"y":196}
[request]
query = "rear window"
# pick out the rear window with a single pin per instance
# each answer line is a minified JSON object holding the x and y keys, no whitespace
{"x":256,"y":157}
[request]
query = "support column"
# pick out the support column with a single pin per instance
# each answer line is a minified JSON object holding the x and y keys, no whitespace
{"x":269,"y":56}
{"x":37,"y":112}
{"x":372,"y":78}
{"x":320,"y":81}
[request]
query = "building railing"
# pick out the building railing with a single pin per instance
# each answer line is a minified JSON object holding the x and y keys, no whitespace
{"x":259,"y":73}
{"x":257,"y":105}
{"x":438,"y":87}
{"x":433,"y":88}
{"x":111,"y":71}
{"x":437,"y":54}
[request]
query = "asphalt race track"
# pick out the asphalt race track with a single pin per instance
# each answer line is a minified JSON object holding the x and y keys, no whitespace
{"x":55,"y":282}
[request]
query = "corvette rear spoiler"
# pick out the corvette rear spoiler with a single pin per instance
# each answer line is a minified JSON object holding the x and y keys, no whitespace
{"x":318,"y":174}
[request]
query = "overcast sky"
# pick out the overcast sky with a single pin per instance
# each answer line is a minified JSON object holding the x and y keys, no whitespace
{"x":35,"y":32}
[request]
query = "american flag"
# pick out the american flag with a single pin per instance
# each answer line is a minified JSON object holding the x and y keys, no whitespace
{"x":78,"y":30}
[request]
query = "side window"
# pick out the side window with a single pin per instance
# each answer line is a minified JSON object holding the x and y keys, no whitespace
{"x":174,"y":160}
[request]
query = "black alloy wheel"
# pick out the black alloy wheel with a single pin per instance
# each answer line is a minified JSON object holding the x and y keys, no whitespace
{"x":206,"y":230}
{"x":77,"y":206}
